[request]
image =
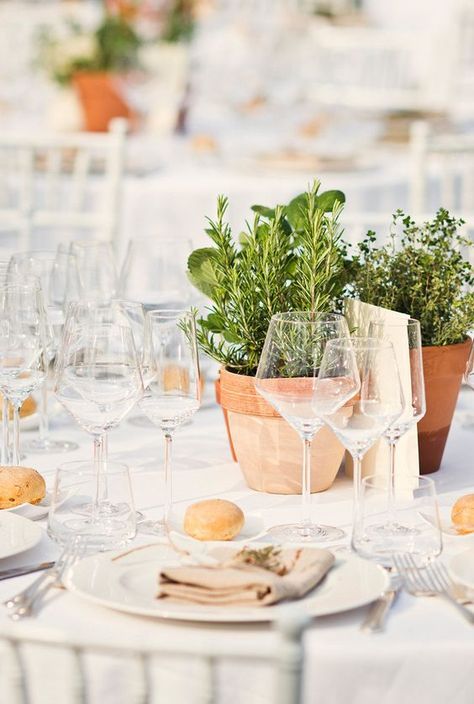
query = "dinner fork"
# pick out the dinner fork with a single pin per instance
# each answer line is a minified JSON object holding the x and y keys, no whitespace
{"x":23,"y":603}
{"x":427,"y":581}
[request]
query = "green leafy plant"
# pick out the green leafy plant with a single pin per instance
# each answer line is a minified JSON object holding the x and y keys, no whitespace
{"x":290,"y":257}
{"x":422,"y":271}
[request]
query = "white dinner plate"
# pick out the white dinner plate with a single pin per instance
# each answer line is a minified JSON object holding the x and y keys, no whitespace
{"x":40,"y":510}
{"x":462,"y":568}
{"x":17,"y":534}
{"x":130,"y":585}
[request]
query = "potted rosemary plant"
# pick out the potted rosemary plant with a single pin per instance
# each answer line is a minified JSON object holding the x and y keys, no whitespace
{"x":290,"y":258}
{"x":422,"y":271}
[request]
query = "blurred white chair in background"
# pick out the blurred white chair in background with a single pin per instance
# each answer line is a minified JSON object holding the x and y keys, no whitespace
{"x":61,"y":182}
{"x":38,"y":665}
{"x":442,"y":172}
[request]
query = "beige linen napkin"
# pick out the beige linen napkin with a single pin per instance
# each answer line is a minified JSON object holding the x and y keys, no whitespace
{"x":238,"y":583}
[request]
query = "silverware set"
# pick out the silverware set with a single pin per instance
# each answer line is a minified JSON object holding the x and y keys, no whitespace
{"x":27,"y":602}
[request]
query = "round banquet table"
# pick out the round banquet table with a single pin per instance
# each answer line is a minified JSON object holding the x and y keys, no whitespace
{"x":424,"y":655}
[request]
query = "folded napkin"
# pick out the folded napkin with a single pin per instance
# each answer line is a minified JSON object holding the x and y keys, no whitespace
{"x":249,"y":578}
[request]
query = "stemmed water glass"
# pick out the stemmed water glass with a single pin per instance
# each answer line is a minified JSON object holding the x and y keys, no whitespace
{"x":98,"y":380}
{"x":290,"y":378}
{"x":379,"y":402}
{"x":97,"y":276}
{"x":23,"y":344}
{"x":44,"y":266}
{"x":405,"y":336}
{"x":171,"y":376}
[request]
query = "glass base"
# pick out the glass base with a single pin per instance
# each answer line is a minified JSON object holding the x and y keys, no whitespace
{"x":392,"y":529}
{"x":107,"y":510}
{"x":156,"y":528}
{"x":98,"y":534}
{"x":302,"y":533}
{"x":46,"y":445}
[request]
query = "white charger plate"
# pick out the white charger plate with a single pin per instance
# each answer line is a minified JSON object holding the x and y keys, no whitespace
{"x":130,"y":585}
{"x":17,"y":534}
{"x":461,"y":568}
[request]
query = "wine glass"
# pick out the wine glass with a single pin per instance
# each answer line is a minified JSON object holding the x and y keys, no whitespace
{"x":98,"y":380}
{"x":23,"y":348}
{"x":43,"y":265}
{"x":171,"y":376}
{"x":5,"y":445}
{"x":288,"y":377}
{"x":96,"y":267}
{"x":469,"y":373}
{"x":379,"y":402}
{"x":405,"y":336}
{"x":154,"y":273}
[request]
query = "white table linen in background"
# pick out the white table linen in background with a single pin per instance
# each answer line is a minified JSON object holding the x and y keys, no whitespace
{"x":425,"y":655}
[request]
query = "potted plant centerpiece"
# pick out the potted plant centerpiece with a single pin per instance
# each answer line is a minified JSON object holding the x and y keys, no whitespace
{"x":421,"y":271}
{"x":290,"y":258}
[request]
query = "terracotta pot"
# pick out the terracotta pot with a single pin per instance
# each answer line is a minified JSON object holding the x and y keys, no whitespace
{"x":101,"y":100}
{"x":268,"y":450}
{"x":443,"y":370}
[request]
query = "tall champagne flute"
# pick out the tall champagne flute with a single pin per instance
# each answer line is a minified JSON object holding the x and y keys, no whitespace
{"x":98,"y":380}
{"x":288,"y":377}
{"x":23,"y":343}
{"x":379,"y":402}
{"x":171,"y":376}
{"x":5,"y":445}
{"x":406,"y":339}
{"x":43,"y":265}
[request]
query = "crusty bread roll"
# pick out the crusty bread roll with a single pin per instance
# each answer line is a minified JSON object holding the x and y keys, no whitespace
{"x":462,"y":514}
{"x":20,"y":485}
{"x":213,"y":519}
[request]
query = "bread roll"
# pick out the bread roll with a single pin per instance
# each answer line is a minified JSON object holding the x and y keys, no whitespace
{"x":462,"y":514}
{"x":20,"y":485}
{"x":213,"y":519}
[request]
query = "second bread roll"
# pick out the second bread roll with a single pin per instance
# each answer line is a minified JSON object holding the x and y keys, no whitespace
{"x":462,"y":514}
{"x":213,"y":519}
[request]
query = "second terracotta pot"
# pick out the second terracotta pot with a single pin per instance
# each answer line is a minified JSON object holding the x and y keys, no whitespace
{"x":443,"y":371}
{"x":101,"y":100}
{"x":269,"y":451}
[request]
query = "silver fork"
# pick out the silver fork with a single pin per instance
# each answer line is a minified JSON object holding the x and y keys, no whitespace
{"x":24,"y":603}
{"x":428,"y":581}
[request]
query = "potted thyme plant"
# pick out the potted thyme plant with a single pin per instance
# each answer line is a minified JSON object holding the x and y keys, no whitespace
{"x":422,"y":272}
{"x":290,"y":258}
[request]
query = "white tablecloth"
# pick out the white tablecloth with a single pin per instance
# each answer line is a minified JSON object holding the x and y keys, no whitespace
{"x":426,"y":653}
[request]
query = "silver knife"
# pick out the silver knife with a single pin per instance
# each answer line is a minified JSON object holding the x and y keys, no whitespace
{"x":27,"y":569}
{"x":375,"y":619}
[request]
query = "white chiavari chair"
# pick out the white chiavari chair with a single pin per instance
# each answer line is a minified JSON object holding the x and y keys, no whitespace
{"x":39,"y":665}
{"x":61,"y":182}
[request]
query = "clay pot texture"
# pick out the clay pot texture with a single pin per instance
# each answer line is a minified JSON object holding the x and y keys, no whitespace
{"x":101,"y":100}
{"x":443,"y":369}
{"x":268,"y":450}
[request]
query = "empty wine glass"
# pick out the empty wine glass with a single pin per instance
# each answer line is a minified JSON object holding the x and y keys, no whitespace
{"x":288,"y":377}
{"x":154,"y":273}
{"x":23,"y":345}
{"x":98,"y":380}
{"x":43,"y":265}
{"x":405,"y":336}
{"x":379,"y":402}
{"x":171,"y":375}
{"x":97,"y":276}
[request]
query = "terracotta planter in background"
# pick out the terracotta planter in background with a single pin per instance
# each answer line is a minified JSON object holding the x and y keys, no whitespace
{"x":268,"y":450}
{"x":443,"y":370}
{"x":101,"y":100}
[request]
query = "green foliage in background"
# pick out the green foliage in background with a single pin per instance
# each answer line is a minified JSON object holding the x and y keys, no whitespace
{"x":179,"y":24}
{"x":422,"y":271}
{"x":290,"y":258}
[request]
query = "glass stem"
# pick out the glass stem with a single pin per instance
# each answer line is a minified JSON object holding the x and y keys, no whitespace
{"x":357,"y":481}
{"x":168,"y":482}
{"x":5,"y":434}
{"x":391,"y":483}
{"x":16,"y":436}
{"x":44,"y":420}
{"x":306,"y":487}
{"x":99,"y":471}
